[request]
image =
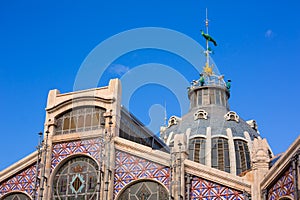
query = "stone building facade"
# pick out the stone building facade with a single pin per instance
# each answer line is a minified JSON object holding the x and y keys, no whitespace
{"x":93,"y":148}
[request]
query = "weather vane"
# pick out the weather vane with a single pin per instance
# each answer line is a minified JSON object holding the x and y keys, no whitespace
{"x":208,"y":69}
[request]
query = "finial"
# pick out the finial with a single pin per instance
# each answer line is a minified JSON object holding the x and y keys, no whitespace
{"x":206,"y":22}
{"x":208,"y":69}
{"x":165,"y":119}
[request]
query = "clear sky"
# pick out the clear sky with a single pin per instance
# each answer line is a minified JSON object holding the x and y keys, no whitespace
{"x":44,"y":43}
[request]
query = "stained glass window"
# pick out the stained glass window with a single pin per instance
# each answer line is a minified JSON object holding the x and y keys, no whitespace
{"x":79,"y":120}
{"x":220,"y":154}
{"x":242,"y":156}
{"x":145,"y":190}
{"x":76,"y":179}
{"x":197,"y":150}
{"x":16,"y":196}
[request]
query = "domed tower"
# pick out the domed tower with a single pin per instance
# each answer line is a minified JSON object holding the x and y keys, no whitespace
{"x":216,"y":136}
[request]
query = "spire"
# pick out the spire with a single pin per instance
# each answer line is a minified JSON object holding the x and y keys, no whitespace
{"x":210,"y":75}
{"x":208,"y":69}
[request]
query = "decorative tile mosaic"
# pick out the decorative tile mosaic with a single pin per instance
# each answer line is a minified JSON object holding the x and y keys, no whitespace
{"x":203,"y":189}
{"x":284,"y":186}
{"x":129,"y":168}
{"x":23,"y":181}
{"x":62,"y":150}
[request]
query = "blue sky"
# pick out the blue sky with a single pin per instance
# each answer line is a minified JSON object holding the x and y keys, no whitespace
{"x":43,"y":44}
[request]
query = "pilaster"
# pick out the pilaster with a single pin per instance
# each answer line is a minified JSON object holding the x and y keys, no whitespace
{"x":260,"y":166}
{"x":178,"y":155}
{"x":208,"y":147}
{"x":231,"y":152}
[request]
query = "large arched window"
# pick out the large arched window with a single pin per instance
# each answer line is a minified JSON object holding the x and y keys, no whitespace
{"x":242,"y":156}
{"x":145,"y":190}
{"x":16,"y":196}
{"x":197,"y":150}
{"x":80,"y":119}
{"x":76,"y":179}
{"x":220,"y":154}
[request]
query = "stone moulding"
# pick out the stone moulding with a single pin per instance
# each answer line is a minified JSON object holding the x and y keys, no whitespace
{"x":80,"y":99}
{"x":280,"y":165}
{"x":18,"y":166}
{"x":142,"y":151}
{"x":217,"y":176}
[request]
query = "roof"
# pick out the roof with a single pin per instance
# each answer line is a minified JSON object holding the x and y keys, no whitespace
{"x":215,"y":120}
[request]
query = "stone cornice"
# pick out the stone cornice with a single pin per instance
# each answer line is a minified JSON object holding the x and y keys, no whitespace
{"x":77,"y":136}
{"x":142,"y":151}
{"x":82,"y":91}
{"x":18,"y":166}
{"x":281,"y":164}
{"x":217,"y":176}
{"x":80,"y":99}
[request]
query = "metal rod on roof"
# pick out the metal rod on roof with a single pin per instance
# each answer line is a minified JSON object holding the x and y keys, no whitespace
{"x":43,"y":178}
{"x":37,"y":166}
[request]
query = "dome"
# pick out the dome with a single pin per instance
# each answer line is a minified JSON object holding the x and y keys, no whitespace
{"x":216,"y":121}
{"x":216,"y":136}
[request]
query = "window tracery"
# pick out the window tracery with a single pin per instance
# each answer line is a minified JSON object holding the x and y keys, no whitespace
{"x":197,"y":150}
{"x":145,"y":190}
{"x":79,"y":120}
{"x":220,"y":154}
{"x":76,"y":179}
{"x":16,"y":196}
{"x":242,"y":156}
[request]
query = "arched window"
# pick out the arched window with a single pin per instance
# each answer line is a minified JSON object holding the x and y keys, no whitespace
{"x":79,"y":120}
{"x":197,"y":150}
{"x":16,"y":196}
{"x":220,"y":154}
{"x":242,"y":156}
{"x":76,"y":179}
{"x":285,"y":198}
{"x":145,"y":190}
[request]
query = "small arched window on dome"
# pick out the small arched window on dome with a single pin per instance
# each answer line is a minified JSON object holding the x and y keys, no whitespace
{"x":220,"y":154}
{"x":197,"y":150}
{"x":200,"y":114}
{"x":232,"y":116}
{"x":172,"y":121}
{"x":242,"y":156}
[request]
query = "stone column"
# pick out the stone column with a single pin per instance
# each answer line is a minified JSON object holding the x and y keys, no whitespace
{"x":180,"y":154}
{"x":295,"y":164}
{"x":108,"y":183}
{"x":260,"y":166}
{"x":298,"y":172}
{"x":46,"y":159}
{"x":231,"y":152}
